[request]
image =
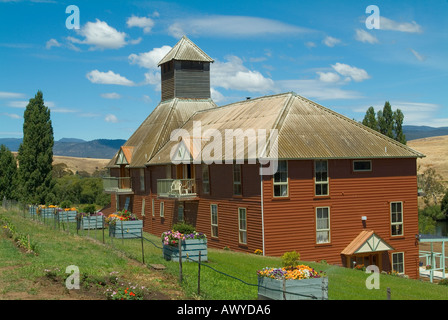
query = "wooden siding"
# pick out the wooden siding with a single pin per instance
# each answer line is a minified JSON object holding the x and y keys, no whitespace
{"x":193,"y":84}
{"x":290,"y":223}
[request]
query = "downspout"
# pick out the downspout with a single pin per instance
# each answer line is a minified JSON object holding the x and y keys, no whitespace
{"x":262,"y":209}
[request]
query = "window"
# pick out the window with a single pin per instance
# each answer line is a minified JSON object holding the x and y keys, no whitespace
{"x":321,"y":177}
{"x":398,"y":262}
{"x":214,"y":219}
{"x":323,"y":225}
{"x":237,"y":179}
{"x":396,"y":218}
{"x":143,"y":207}
{"x":142,"y":179}
{"x":162,"y":209}
{"x":242,"y":225}
{"x":205,"y":179}
{"x":180,"y":213}
{"x":362,"y":165}
{"x":281,"y":180}
{"x":152,"y":208}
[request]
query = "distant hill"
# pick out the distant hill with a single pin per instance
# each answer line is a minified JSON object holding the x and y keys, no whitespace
{"x":72,"y":147}
{"x":436,"y":151}
{"x":419,"y":132}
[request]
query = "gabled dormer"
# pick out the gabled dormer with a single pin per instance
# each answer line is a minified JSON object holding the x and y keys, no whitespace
{"x":185,"y":72}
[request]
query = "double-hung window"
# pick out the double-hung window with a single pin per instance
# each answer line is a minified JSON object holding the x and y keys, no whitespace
{"x":281,"y":179}
{"x":396,"y":218}
{"x":321,"y":177}
{"x":398,"y":262}
{"x":242,"y":225}
{"x":323,"y":225}
{"x":237,"y":190}
{"x":205,"y":179}
{"x":214,"y":219}
{"x":162,"y":209}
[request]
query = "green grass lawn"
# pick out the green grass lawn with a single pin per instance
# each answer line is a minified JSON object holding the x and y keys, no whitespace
{"x":234,"y":274}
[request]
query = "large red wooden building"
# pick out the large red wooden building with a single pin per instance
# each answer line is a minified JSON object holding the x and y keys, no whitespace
{"x":342,"y":192}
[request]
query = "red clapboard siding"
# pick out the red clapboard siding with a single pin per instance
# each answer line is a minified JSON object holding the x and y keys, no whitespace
{"x":290,"y":223}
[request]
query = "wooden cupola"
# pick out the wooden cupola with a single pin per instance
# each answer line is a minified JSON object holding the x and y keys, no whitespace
{"x":185,"y":72}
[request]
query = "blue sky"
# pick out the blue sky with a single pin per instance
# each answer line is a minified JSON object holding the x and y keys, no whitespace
{"x":102,"y":80}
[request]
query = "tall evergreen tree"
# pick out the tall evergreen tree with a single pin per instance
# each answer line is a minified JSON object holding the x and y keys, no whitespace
{"x":388,"y":120}
{"x":8,"y":174}
{"x":370,"y":119}
{"x":398,"y":126}
{"x":36,"y":153}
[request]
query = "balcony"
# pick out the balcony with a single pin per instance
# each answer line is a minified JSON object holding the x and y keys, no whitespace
{"x":120,"y":185}
{"x":180,"y":189}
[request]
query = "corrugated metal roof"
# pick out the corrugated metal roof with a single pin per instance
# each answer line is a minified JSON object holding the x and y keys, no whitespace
{"x":157,"y":127}
{"x":185,"y":49}
{"x":306,"y":130}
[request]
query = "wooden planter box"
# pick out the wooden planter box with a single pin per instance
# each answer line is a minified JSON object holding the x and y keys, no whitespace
{"x":67,"y":216}
{"x":306,"y":289}
{"x":126,"y":229}
{"x":92,"y":222}
{"x":48,"y":213}
{"x":190,"y":247}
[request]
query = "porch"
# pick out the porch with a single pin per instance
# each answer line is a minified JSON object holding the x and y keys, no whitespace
{"x":180,"y":189}
{"x":432,"y":256}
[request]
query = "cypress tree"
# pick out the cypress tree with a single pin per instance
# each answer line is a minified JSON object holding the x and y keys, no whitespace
{"x":398,"y":126}
{"x":8,"y":174}
{"x":36,"y":153}
{"x":370,"y":119}
{"x":388,"y":120}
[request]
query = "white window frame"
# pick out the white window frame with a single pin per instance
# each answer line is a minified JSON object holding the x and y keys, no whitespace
{"x":396,"y":223}
{"x":362,"y":170}
{"x":214,"y":220}
{"x":402,"y":264}
{"x":152,"y":208}
{"x":320,"y":230}
{"x":323,"y":182}
{"x":281,"y":183}
{"x":242,"y":230}
{"x":162,"y":209}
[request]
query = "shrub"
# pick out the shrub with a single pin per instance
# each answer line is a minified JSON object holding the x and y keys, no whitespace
{"x":89,"y":208}
{"x":443,"y":282}
{"x":290,"y":258}
{"x":183,"y":228}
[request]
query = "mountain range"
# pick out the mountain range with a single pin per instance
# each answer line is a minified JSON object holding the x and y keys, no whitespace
{"x":106,"y":148}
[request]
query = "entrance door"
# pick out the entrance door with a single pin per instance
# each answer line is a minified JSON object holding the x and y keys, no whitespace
{"x":365,"y":260}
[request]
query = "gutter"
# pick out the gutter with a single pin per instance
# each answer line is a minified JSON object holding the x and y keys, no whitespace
{"x":262,"y":209}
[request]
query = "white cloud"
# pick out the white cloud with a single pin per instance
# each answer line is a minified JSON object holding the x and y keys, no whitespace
{"x":330,"y":41}
{"x":364,"y":36}
{"x":350,"y":72}
{"x":111,"y":95}
{"x":418,"y":55}
{"x":111,"y":118}
{"x":217,"y":96}
{"x":234,"y":75}
{"x":388,"y":24}
{"x":328,"y":76}
{"x":233,"y":26}
{"x":11,"y":95}
{"x":142,"y":22}
{"x":149,"y":59}
{"x":17,"y":104}
{"x":52,"y":43}
{"x":11,"y":115}
{"x":109,"y":77}
{"x":101,"y":36}
{"x":310,"y":44}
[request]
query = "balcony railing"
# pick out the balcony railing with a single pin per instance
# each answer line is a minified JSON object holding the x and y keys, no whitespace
{"x":121,"y":185}
{"x":176,"y":188}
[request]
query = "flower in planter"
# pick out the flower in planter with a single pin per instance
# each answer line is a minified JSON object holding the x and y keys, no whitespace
{"x":172,"y":237}
{"x":258,"y":251}
{"x":299,"y":272}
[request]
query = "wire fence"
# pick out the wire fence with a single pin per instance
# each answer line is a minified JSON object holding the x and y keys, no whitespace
{"x":95,"y":227}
